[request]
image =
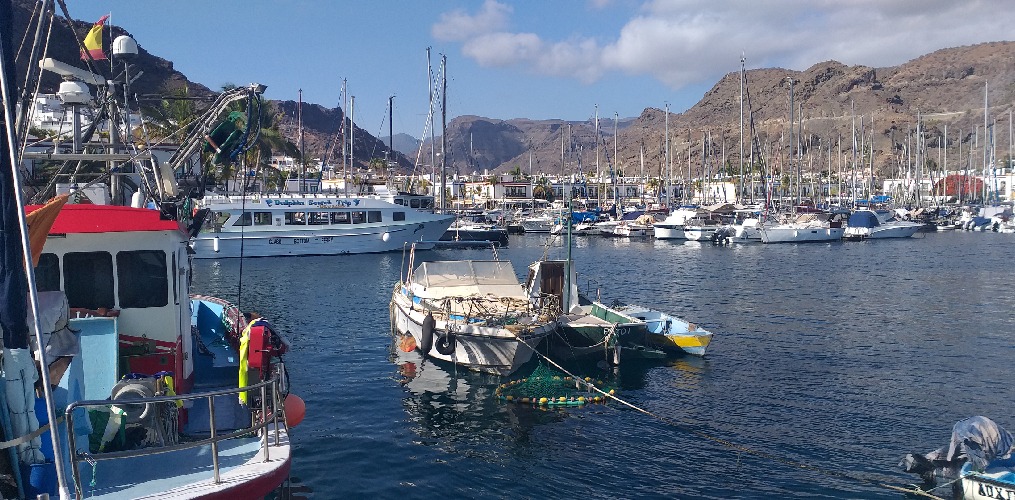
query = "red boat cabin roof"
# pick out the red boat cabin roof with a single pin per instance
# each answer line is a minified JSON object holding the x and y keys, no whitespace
{"x":88,"y":218}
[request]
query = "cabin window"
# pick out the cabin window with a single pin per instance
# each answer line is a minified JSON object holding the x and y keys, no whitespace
{"x":221,"y":218}
{"x":359,"y":217}
{"x":396,"y":216}
{"x":142,"y":278}
{"x":340,"y":218}
{"x":319,"y":218}
{"x":426,"y":203}
{"x":399,"y":201}
{"x":414,"y":203}
{"x":262,"y":218}
{"x":176,"y":293}
{"x":88,"y":279}
{"x":295,"y":218}
{"x":47,"y":273}
{"x":374,"y":216}
{"x":243,"y":219}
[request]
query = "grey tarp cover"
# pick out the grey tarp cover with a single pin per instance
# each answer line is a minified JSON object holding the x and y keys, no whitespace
{"x":978,"y":440}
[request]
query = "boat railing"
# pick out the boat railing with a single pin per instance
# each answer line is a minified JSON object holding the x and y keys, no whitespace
{"x":257,"y":425}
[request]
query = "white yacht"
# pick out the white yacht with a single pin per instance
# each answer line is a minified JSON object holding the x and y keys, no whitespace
{"x":806,"y":228}
{"x":672,"y":227}
{"x":319,"y":224}
{"x":871,"y":224}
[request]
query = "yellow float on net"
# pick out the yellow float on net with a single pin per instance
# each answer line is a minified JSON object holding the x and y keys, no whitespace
{"x":543,"y":401}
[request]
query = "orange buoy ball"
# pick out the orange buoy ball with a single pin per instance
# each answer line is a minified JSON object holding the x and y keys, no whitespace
{"x":408,"y":344}
{"x":295,"y":410}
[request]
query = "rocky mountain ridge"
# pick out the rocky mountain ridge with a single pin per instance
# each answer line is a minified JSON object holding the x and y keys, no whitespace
{"x":945,"y":87}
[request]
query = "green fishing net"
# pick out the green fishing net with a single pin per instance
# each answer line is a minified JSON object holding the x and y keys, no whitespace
{"x":549,"y":387}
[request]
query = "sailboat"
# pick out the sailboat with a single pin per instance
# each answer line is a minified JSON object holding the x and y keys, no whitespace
{"x":160,"y":393}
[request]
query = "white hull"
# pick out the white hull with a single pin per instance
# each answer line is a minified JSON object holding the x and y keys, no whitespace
{"x":669,"y":232}
{"x":987,"y":486}
{"x":795,"y":234}
{"x":489,"y":349}
{"x":903,"y":230}
{"x":699,"y":233}
{"x":313,"y":225}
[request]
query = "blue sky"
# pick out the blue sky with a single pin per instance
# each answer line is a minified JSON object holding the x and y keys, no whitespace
{"x":531,"y":59}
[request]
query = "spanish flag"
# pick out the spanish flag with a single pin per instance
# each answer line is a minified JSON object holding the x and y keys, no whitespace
{"x":93,"y":40}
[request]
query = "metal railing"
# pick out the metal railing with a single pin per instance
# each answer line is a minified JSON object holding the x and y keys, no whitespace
{"x":214,"y":438}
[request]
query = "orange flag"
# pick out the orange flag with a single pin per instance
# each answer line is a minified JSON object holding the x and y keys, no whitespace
{"x":93,"y":40}
{"x":39,"y":222}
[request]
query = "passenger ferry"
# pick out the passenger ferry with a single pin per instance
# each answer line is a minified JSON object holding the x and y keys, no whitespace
{"x":316,"y":224}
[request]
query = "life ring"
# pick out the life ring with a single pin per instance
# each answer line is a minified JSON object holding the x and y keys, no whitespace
{"x":446,"y":344}
{"x":426,"y":338}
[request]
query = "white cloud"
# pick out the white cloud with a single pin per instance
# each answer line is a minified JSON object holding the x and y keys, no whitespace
{"x":459,"y":26}
{"x":681,"y":42}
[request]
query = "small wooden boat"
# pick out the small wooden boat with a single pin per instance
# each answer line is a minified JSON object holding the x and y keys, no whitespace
{"x":668,"y":333}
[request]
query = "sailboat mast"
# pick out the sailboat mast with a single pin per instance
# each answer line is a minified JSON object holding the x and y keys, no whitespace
{"x":345,"y":136}
{"x":668,"y":163}
{"x":299,"y":124}
{"x":444,"y":132}
{"x":391,"y":132}
{"x":740,"y":188}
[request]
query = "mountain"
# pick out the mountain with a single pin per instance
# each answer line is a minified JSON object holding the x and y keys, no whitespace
{"x":404,"y":143}
{"x":945,"y":87}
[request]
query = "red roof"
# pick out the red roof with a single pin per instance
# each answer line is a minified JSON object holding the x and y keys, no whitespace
{"x":87,"y":218}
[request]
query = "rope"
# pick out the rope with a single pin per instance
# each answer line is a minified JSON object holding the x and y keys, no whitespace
{"x":734,"y":446}
{"x":27,"y":437}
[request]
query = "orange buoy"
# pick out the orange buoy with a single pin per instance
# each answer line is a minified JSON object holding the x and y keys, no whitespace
{"x":407,"y":344}
{"x":295,"y":410}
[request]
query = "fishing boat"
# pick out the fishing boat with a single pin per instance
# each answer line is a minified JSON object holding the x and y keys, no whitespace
{"x":315,"y":224}
{"x":586,"y":327}
{"x":184,"y":424}
{"x":147,"y":390}
{"x":472,"y":313}
{"x":670,"y":334}
{"x":870,"y":224}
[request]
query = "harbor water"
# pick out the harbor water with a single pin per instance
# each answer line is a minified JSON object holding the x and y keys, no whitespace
{"x":830,"y":361}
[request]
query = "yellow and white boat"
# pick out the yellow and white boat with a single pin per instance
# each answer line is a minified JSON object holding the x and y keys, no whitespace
{"x":670,"y":334}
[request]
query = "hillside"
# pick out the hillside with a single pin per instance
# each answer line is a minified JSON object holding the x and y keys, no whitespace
{"x":945,"y":87}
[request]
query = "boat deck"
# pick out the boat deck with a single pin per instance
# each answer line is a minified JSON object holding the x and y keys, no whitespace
{"x":188,"y":473}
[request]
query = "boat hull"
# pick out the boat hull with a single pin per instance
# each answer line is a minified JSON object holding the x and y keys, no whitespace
{"x":780,"y":234}
{"x":669,"y":232}
{"x":670,"y":334}
{"x":499,"y":350}
{"x":329,"y":241}
{"x":881,"y":232}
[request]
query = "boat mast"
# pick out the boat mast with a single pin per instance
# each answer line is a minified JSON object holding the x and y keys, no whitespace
{"x":390,"y":156}
{"x":15,"y":335}
{"x":444,"y":132}
{"x":299,"y":124}
{"x":740,"y":189}
{"x":668,"y":164}
{"x":345,"y":135}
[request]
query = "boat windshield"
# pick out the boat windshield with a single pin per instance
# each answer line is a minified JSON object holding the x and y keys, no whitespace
{"x":464,"y":278}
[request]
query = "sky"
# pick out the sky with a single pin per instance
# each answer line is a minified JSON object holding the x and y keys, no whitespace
{"x":537,"y":59}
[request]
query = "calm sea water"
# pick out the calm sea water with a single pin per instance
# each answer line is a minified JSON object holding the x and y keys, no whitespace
{"x":842,"y":356}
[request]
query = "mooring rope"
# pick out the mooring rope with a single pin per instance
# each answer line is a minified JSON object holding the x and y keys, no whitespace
{"x":741,"y":448}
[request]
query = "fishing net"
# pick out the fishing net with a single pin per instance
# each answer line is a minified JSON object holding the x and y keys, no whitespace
{"x":549,"y":387}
